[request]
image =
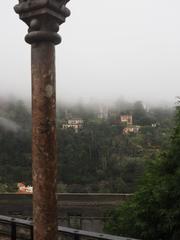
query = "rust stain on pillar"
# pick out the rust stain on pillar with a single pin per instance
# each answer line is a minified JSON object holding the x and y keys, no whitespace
{"x":43,"y":18}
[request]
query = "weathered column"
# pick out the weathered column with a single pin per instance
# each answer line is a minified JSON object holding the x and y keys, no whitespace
{"x":43,"y":18}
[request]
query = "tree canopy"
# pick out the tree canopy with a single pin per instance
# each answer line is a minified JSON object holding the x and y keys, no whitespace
{"x":154,"y":210}
{"x":97,"y":158}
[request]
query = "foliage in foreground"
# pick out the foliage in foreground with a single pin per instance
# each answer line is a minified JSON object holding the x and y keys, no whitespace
{"x":154,"y":211}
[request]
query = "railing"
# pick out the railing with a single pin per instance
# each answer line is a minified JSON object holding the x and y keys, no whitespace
{"x":15,"y":229}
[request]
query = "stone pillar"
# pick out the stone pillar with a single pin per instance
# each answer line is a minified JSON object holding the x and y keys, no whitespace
{"x":43,"y":18}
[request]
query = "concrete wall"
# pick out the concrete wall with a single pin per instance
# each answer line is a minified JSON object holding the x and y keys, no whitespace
{"x":84,"y":211}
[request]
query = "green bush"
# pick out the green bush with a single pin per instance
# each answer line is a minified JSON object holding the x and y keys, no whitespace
{"x":153,"y":213}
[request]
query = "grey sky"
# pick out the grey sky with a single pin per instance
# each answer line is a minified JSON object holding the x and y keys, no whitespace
{"x":110,"y":49}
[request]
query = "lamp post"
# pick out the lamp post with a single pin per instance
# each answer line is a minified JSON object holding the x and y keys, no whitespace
{"x":43,"y":18}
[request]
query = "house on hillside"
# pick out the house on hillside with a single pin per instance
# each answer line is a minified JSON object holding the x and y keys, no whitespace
{"x":75,"y":123}
{"x":126,"y":119}
{"x":22,"y":188}
{"x":102,"y":112}
{"x":131,"y":129}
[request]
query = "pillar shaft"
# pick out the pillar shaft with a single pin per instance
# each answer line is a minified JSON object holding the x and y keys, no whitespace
{"x":44,"y":141}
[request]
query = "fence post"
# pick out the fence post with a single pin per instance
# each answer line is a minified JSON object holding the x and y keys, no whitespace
{"x":13,"y":231}
{"x":31,"y":232}
{"x":76,"y":237}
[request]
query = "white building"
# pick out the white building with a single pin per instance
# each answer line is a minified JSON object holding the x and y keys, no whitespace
{"x":75,"y":123}
{"x":131,"y":129}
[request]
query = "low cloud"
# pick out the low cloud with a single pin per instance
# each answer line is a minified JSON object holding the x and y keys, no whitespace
{"x":9,"y":125}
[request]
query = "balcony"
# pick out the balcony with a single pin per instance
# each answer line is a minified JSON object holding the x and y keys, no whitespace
{"x":15,"y":228}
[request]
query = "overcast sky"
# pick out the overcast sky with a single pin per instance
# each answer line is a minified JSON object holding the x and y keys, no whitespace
{"x":110,"y":49}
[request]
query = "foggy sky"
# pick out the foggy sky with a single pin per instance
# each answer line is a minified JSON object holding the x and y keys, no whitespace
{"x":110,"y":49}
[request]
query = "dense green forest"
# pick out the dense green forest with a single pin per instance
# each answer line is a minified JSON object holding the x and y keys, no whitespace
{"x":153,"y":212}
{"x":97,"y":158}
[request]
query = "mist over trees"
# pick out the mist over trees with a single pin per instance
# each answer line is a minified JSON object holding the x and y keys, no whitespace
{"x":97,"y":158}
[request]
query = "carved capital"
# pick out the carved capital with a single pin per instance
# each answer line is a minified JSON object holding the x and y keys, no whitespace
{"x":43,"y":18}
